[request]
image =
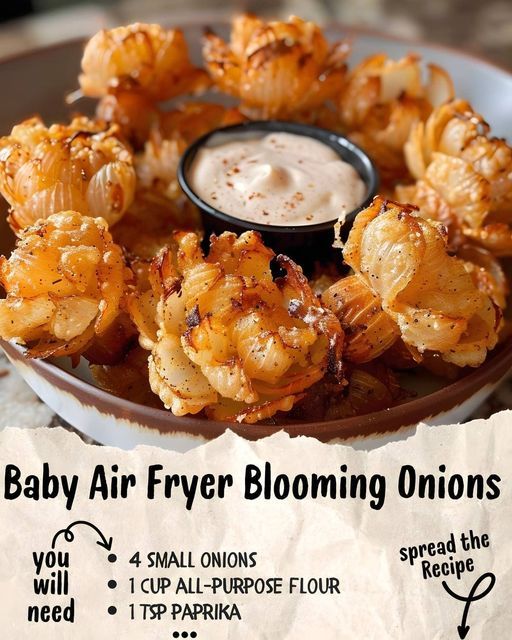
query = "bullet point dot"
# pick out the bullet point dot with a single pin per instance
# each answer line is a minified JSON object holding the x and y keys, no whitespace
{"x":184,"y":634}
{"x":193,"y":634}
{"x":112,"y":611}
{"x":176,"y":634}
{"x":112,"y":557}
{"x":112,"y":584}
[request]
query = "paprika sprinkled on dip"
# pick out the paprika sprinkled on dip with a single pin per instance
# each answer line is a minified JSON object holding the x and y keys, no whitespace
{"x":279,"y":178}
{"x":289,"y":181}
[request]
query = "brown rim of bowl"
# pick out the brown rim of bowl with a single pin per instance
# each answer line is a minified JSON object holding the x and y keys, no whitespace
{"x":491,"y":371}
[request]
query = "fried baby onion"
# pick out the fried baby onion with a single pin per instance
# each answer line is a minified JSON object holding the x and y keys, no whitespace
{"x":64,"y":283}
{"x":430,"y":295}
{"x":144,"y":57}
{"x":82,"y":167}
{"x":383,"y":100}
{"x":464,"y":177}
{"x":227,"y":336}
{"x":276,"y":69}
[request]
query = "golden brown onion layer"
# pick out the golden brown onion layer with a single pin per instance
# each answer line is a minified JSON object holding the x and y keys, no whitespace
{"x":64,"y":284}
{"x":228,"y":337}
{"x":276,"y":69}
{"x":82,"y":167}
{"x":429,"y":294}
{"x":140,"y":56}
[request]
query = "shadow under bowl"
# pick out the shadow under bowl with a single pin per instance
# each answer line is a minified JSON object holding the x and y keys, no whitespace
{"x":306,"y":244}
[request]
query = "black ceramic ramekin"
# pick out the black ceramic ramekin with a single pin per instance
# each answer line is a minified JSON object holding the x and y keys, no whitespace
{"x":306,"y":244}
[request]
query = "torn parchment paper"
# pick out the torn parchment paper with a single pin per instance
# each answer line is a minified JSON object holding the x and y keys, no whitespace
{"x":284,"y":567}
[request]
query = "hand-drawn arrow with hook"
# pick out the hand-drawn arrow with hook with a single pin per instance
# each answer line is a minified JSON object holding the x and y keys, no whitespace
{"x":464,"y":628}
{"x":69,"y":535}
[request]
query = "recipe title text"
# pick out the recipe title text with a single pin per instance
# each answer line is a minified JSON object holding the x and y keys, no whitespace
{"x":259,"y":482}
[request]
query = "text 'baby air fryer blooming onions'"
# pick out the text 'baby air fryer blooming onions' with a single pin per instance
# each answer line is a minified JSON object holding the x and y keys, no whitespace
{"x":412,"y":288}
{"x":227,"y":337}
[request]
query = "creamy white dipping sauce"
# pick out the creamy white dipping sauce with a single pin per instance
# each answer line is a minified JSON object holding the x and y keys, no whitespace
{"x":278,"y":179}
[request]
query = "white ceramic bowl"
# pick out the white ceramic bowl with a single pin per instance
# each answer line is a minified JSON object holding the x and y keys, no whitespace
{"x":38,"y":82}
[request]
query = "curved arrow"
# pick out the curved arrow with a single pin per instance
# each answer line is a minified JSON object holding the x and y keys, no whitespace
{"x":69,"y":535}
{"x":463,"y":628}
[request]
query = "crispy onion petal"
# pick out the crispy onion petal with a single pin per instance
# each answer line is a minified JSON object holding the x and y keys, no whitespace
{"x":464,"y":177}
{"x":233,"y":412}
{"x":496,"y":238}
{"x":429,"y":294}
{"x":64,"y":282}
{"x":369,"y":330}
{"x":178,"y":382}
